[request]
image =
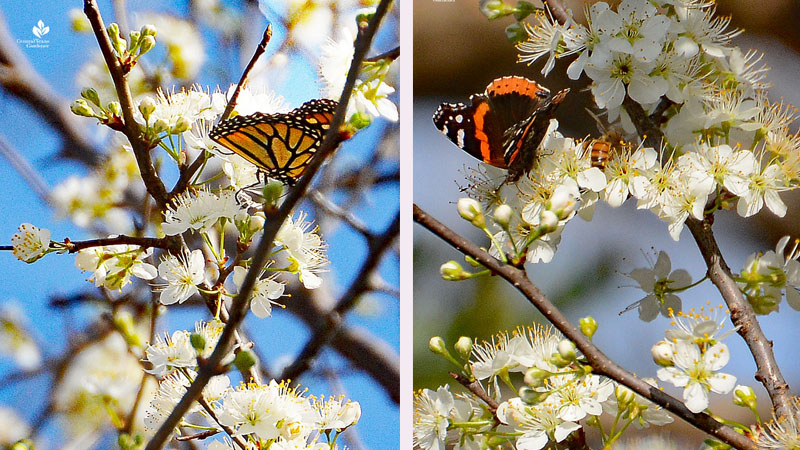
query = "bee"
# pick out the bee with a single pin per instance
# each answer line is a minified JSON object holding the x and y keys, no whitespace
{"x":602,"y":150}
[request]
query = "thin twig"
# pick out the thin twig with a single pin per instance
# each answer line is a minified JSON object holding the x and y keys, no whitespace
{"x":600,"y":363}
{"x":144,"y":242}
{"x":742,"y":315}
{"x":26,"y":171}
{"x":476,"y":388}
{"x":132,"y":130}
{"x":274,"y":220}
{"x":333,"y":320}
{"x":262,"y":47}
{"x":391,"y":54}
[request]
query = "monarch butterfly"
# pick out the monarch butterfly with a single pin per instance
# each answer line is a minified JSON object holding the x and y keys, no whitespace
{"x":280,"y":145}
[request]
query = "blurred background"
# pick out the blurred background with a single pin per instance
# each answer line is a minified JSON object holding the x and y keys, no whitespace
{"x":457,"y":52}
{"x":206,"y":42}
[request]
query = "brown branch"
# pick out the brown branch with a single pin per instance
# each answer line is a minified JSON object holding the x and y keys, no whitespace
{"x":600,"y":363}
{"x":333,"y":320}
{"x":476,"y":388}
{"x":26,"y":171}
{"x":391,"y":54}
{"x":144,"y":242}
{"x":21,"y":80}
{"x":322,"y":202}
{"x":557,"y":10}
{"x":274,"y":220}
{"x":742,"y":315}
{"x":131,"y":129}
{"x":646,"y":127}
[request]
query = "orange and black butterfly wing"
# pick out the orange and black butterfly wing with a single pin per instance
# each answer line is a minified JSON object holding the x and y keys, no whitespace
{"x":473,"y":128}
{"x":280,"y":145}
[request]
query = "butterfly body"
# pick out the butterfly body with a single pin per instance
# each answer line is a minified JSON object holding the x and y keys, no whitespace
{"x":504,"y":125}
{"x":279,"y":145}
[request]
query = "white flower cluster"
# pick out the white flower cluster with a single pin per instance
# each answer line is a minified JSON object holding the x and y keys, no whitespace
{"x":371,"y":95}
{"x":725,"y":144}
{"x":692,"y":356}
{"x":269,"y":411}
{"x":559,"y":396}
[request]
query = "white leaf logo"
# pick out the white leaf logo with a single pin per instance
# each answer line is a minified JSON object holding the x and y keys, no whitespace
{"x":40,"y":29}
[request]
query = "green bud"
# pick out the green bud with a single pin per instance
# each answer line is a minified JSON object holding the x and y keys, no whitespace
{"x":198,"y":342}
{"x":91,"y":95}
{"x":114,"y":108}
{"x":147,"y":107}
{"x":464,"y":347}
{"x":181,"y":125}
{"x":117,"y":42}
{"x":472,"y":261}
{"x":436,"y":345}
{"x":123,"y":320}
{"x":133,"y":40}
{"x":81,"y":107}
{"x":272,"y":192}
{"x":148,"y":30}
{"x":244,"y":360}
{"x":470,"y":209}
{"x":148,"y":42}
{"x":588,"y":326}
{"x":624,"y":396}
{"x":452,"y":271}
{"x":78,"y":21}
{"x":24,"y":444}
{"x":362,"y":19}
{"x":531,"y":396}
{"x":745,"y":397}
{"x":535,"y":377}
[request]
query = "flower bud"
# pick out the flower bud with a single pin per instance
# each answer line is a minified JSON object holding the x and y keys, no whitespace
{"x":148,"y":30}
{"x":464,"y":347}
{"x":181,"y":125}
{"x":81,"y":107}
{"x":91,"y":95}
{"x":123,"y":321}
{"x":548,"y":222}
{"x":133,"y":39}
{"x":244,"y":360}
{"x":532,"y":396}
{"x":562,"y":202}
{"x":662,"y":354}
{"x":452,"y":271}
{"x":624,"y":396}
{"x":148,"y":42}
{"x":535,"y":377}
{"x":502,"y":215}
{"x":470,"y":209}
{"x":147,"y":107}
{"x":78,"y":21}
{"x":117,"y":42}
{"x":567,"y":350}
{"x":360,"y":120}
{"x":745,"y":397}
{"x":436,"y":345}
{"x":472,"y":261}
{"x":114,"y":108}
{"x":22,"y":445}
{"x":160,"y":126}
{"x":588,"y":326}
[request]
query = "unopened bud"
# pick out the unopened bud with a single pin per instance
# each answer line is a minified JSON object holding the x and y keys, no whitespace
{"x":436,"y":345}
{"x":91,"y":95}
{"x":567,"y":350}
{"x":535,"y":377}
{"x":562,"y":202}
{"x":532,"y":396}
{"x":118,"y":42}
{"x":360,"y":120}
{"x":452,"y":271}
{"x":148,"y":42}
{"x":745,"y":397}
{"x":81,"y":107}
{"x":78,"y":21}
{"x":181,"y":125}
{"x":160,"y":126}
{"x":272,"y":192}
{"x":148,"y":30}
{"x":147,"y":107}
{"x":470,"y":209}
{"x":588,"y":326}
{"x":624,"y":396}
{"x":502,"y":215}
{"x":662,"y":354}
{"x":114,"y":108}
{"x":464,"y":347}
{"x":548,"y":222}
{"x":133,"y":39}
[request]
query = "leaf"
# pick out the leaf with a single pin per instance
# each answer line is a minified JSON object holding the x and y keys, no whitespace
{"x":36,"y":32}
{"x":45,"y":31}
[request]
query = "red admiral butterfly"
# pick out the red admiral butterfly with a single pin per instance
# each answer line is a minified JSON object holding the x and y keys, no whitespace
{"x":503,"y":126}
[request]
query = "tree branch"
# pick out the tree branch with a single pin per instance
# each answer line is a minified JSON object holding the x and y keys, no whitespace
{"x":333,"y":320}
{"x":274,"y":220}
{"x":743,"y":316}
{"x":600,"y":363}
